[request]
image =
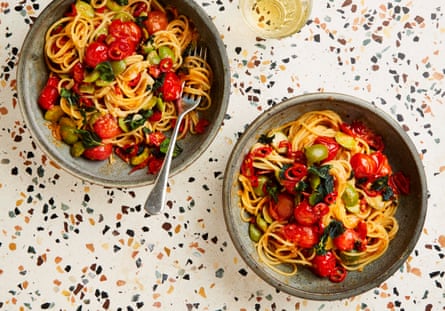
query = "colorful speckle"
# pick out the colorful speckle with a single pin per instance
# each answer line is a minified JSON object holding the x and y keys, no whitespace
{"x":69,"y":245}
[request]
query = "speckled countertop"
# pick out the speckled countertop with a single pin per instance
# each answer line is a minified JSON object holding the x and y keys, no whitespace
{"x":70,"y":245}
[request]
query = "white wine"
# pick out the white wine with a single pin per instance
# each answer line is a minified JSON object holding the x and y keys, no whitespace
{"x":275,"y":18}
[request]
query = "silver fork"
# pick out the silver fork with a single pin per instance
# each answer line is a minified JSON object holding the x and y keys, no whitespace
{"x":155,"y":202}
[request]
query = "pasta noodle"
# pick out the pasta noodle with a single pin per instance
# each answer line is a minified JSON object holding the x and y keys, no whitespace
{"x":305,"y":195}
{"x":136,"y":91}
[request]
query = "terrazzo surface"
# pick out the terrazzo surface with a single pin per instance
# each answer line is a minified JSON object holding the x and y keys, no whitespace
{"x":70,"y":245}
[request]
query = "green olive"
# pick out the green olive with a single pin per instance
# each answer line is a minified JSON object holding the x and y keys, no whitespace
{"x":259,"y":189}
{"x":77,"y":149}
{"x":54,"y":113}
{"x":261,"y":223}
{"x":67,"y":121}
{"x":254,"y":232}
{"x":165,"y":51}
{"x":69,"y":134}
{"x":118,"y":66}
{"x":350,"y":196}
{"x":316,"y":153}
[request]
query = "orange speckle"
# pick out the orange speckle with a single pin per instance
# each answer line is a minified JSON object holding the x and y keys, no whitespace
{"x":157,"y":304}
{"x":120,"y":283}
{"x":177,"y":228}
{"x":167,"y":251}
{"x":437,"y":76}
{"x":91,"y":221}
{"x":442,"y":239}
{"x":202,"y":292}
{"x":58,"y":259}
{"x":19,"y":202}
{"x":57,"y":282}
{"x":170,"y":289}
{"x":3,"y":110}
{"x":90,"y":246}
{"x":103,"y":278}
{"x":12,"y":246}
{"x":263,"y":78}
{"x":119,"y":216}
{"x":25,"y":284}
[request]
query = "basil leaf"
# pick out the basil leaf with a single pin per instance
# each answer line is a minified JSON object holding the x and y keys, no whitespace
{"x":164,"y":147}
{"x":70,"y":96}
{"x":105,"y":71}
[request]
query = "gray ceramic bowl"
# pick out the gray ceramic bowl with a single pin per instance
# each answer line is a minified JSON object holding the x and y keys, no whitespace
{"x":402,"y":155}
{"x":32,"y":75}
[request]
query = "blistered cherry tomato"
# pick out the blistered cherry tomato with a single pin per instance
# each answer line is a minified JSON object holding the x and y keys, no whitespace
{"x":172,"y":86}
{"x":98,"y":153}
{"x":120,"y":49}
{"x":305,"y":214}
{"x":156,"y":21}
{"x":359,"y":129}
{"x":324,"y":265}
{"x":363,"y":165}
{"x":125,"y":31}
{"x":283,"y":208}
{"x":49,"y":95}
{"x":96,"y":53}
{"x":302,"y":236}
{"x":346,"y":240}
{"x":106,"y":126}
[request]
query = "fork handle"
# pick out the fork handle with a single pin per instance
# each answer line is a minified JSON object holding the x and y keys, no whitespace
{"x":155,"y":202}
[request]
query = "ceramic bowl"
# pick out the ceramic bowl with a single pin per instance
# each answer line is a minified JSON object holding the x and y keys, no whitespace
{"x":32,"y":75}
{"x":402,"y":155}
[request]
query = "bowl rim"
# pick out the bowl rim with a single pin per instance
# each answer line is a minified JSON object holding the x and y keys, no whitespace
{"x":231,"y":170}
{"x":45,"y":146}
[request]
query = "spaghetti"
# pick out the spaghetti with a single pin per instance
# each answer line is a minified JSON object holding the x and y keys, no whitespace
{"x":117,"y":71}
{"x":319,"y":192}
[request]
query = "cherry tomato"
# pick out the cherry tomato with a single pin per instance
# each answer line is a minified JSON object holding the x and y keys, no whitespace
{"x":48,"y":97}
{"x":324,"y":265}
{"x":120,"y":49}
{"x":400,"y":183}
{"x":154,"y":165}
{"x":363,"y":165}
{"x":382,"y":163}
{"x":156,"y":21}
{"x":166,"y":64}
{"x":106,"y":126}
{"x":201,"y":126}
{"x":96,"y":53}
{"x":172,"y":86}
{"x":283,"y":208}
{"x":302,"y":236}
{"x":156,"y":116}
{"x":346,"y":240}
{"x":98,"y":153}
{"x":156,"y":138}
{"x":331,"y":144}
{"x":125,"y":31}
{"x":305,"y":214}
{"x":359,"y":129}
{"x":78,"y":72}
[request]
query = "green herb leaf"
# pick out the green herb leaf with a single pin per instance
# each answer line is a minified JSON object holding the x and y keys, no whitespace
{"x":264,"y":139}
{"x":71,"y":97}
{"x":89,"y":139}
{"x":106,"y":71}
{"x":164,"y":147}
{"x":334,"y":229}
